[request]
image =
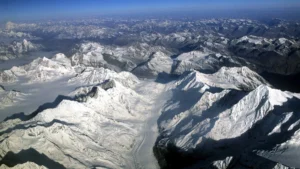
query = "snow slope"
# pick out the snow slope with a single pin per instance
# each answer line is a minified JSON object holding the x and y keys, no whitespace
{"x":157,"y":63}
{"x":211,"y":117}
{"x":202,"y":61}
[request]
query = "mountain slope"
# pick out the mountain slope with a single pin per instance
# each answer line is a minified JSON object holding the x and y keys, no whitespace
{"x":207,"y":120}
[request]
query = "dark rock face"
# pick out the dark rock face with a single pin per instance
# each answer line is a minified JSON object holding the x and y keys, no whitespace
{"x":11,"y":159}
{"x":269,"y":55}
{"x":283,"y":82}
{"x":108,"y":84}
{"x":2,"y":88}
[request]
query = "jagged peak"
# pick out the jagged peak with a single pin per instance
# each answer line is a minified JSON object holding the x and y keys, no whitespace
{"x":239,"y":78}
{"x":62,"y":58}
{"x":190,"y":80}
{"x":94,"y":76}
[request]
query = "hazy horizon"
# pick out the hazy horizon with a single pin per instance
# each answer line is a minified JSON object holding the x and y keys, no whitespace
{"x":17,"y":10}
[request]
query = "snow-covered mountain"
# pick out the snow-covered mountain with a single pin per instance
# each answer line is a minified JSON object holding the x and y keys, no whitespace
{"x":203,"y":61}
{"x":17,"y":49}
{"x":98,"y":124}
{"x":7,"y":76}
{"x":157,"y":63}
{"x":278,"y":55}
{"x":213,"y":117}
{"x":149,"y":93}
{"x":115,"y":58}
{"x":39,"y":70}
{"x":100,"y":131}
{"x":225,"y":118}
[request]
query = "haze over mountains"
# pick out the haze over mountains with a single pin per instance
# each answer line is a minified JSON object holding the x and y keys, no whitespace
{"x":150,"y":93}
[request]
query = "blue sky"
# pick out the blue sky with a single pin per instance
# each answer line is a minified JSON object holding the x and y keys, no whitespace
{"x":39,"y":9}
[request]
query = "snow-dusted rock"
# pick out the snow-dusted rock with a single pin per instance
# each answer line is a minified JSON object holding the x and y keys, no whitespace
{"x":157,"y":63}
{"x":222,"y":164}
{"x":112,"y":57}
{"x":233,"y":78}
{"x":96,"y":55}
{"x":286,"y":152}
{"x":88,"y":54}
{"x":238,"y":78}
{"x":93,"y":76}
{"x":8,"y":98}
{"x":202,"y":61}
{"x":7,"y":76}
{"x":62,"y":58}
{"x":277,"y":55}
{"x":17,"y":49}
{"x":252,"y":39}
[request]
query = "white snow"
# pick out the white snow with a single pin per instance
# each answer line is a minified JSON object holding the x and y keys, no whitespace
{"x":108,"y":129}
{"x":282,"y":40}
{"x":252,"y":39}
{"x":192,"y":55}
{"x":226,"y":78}
{"x":223,"y":164}
{"x":206,"y":119}
{"x":277,"y":97}
{"x":86,"y":131}
{"x":113,"y":57}
{"x":26,"y":165}
{"x":158,"y":63}
{"x":92,"y":76}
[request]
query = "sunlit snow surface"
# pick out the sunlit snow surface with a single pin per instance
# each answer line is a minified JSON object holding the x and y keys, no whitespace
{"x":212,"y":115}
